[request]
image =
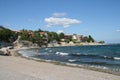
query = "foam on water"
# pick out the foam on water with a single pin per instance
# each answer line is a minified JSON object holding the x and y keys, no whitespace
{"x":117,"y":58}
{"x":62,"y":53}
{"x":69,"y":64}
{"x":50,"y":51}
{"x":101,"y":67}
{"x":72,"y":60}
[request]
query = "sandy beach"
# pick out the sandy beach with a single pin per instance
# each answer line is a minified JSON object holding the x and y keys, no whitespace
{"x":17,"y":68}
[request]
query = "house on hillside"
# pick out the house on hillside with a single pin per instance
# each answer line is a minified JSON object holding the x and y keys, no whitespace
{"x":44,"y":41}
{"x":77,"y":38}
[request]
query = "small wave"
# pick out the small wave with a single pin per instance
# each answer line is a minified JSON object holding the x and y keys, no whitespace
{"x":47,"y":48}
{"x":50,"y":51}
{"x":85,"y":55}
{"x":27,"y":53}
{"x":100,"y":67}
{"x":80,"y":54}
{"x":108,"y":57}
{"x":95,"y":56}
{"x":77,"y":54}
{"x":114,"y":58}
{"x":72,"y":60}
{"x":96,"y":63}
{"x":69,"y":64}
{"x":117,"y":58}
{"x":62,"y":53}
{"x":36,"y":58}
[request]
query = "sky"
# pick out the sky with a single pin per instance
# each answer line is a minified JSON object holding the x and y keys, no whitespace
{"x":98,"y":18}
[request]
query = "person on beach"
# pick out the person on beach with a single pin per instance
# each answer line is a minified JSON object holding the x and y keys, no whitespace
{"x":8,"y":52}
{"x":37,"y":51}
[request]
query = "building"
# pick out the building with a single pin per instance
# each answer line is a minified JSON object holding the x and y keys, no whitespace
{"x":77,"y":38}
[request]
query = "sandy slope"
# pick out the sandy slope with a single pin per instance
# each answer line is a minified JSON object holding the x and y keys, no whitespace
{"x":17,"y":68}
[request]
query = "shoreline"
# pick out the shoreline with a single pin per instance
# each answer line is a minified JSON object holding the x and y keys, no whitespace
{"x":43,"y":69}
{"x":68,"y":64}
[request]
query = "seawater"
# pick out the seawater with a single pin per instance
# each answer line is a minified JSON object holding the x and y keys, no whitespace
{"x":104,"y":56}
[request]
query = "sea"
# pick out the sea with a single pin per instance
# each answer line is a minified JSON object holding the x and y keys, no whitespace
{"x":105,"y":57}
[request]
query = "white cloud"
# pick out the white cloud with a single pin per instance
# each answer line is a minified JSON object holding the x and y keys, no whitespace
{"x":65,"y":22}
{"x":60,"y":31}
{"x":118,"y":30}
{"x":59,"y":14}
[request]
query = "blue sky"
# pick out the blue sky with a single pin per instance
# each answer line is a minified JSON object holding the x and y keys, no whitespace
{"x":99,"y":18}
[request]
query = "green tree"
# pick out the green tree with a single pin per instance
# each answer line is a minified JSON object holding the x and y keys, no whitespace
{"x":24,"y":35}
{"x":49,"y":37}
{"x":102,"y":42}
{"x":91,"y":39}
{"x":55,"y":36}
{"x":61,"y":35}
{"x":38,"y":39}
{"x":86,"y":39}
{"x":5,"y":34}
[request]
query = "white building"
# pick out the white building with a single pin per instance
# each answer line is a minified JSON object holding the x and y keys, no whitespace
{"x":77,"y":38}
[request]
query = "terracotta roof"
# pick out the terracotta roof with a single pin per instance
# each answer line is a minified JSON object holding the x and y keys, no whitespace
{"x":42,"y":33}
